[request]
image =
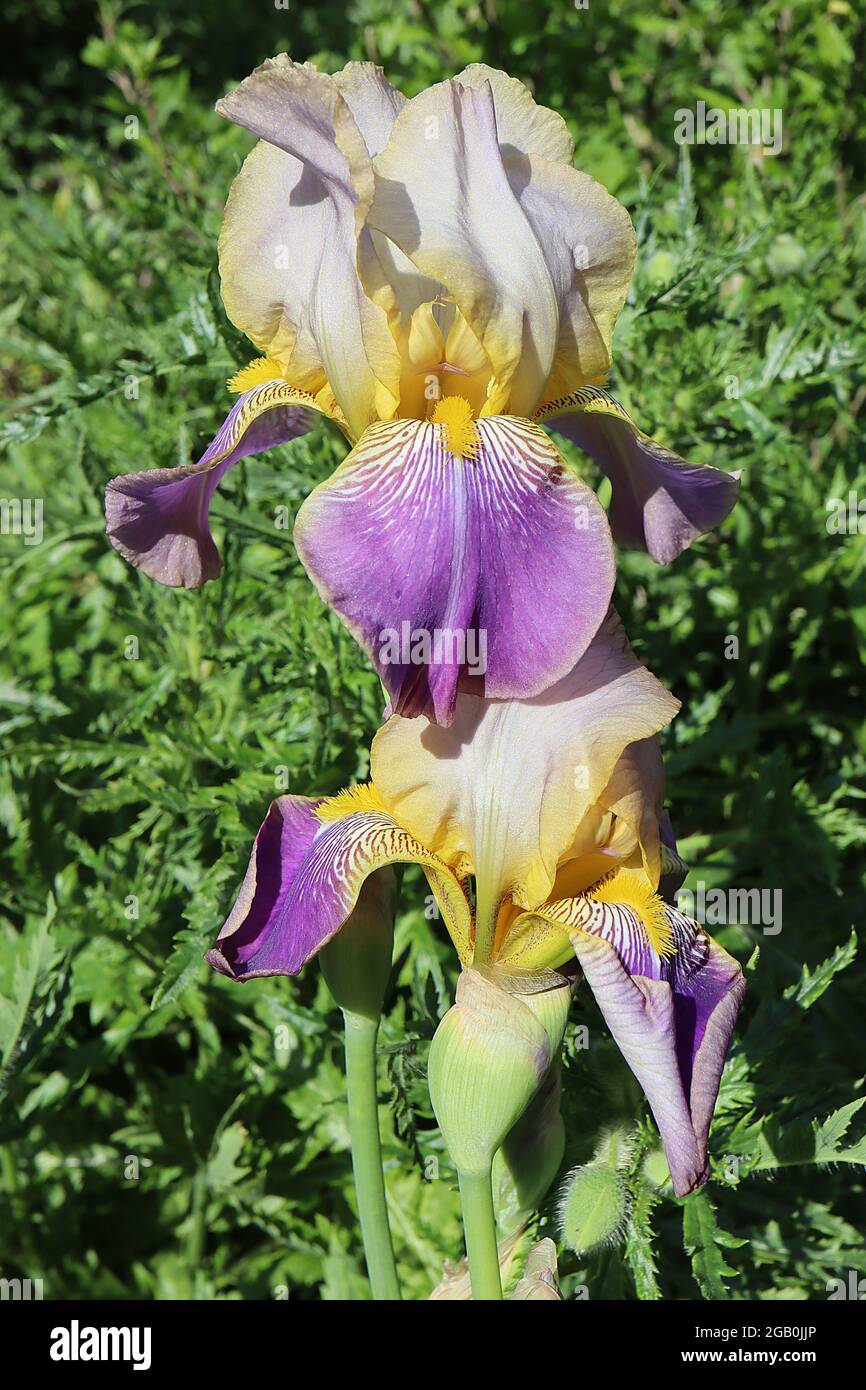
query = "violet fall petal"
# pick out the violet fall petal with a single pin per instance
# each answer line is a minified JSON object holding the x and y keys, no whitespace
{"x":158,"y":519}
{"x":489,"y":574}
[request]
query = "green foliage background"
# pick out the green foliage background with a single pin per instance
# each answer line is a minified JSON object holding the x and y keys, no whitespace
{"x":166,"y":1134}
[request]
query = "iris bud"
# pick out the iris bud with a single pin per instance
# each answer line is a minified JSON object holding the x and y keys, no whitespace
{"x":529,"y":1160}
{"x":490,"y":1055}
{"x":356,"y":963}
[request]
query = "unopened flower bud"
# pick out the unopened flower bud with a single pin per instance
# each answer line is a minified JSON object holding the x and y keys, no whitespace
{"x":547,"y":995}
{"x":488,"y":1058}
{"x":528,"y":1162}
{"x":655,"y":1170}
{"x":356,"y":963}
{"x":593,"y":1206}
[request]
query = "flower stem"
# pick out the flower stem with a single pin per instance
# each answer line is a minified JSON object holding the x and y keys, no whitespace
{"x":479,"y":1227}
{"x":367,"y":1154}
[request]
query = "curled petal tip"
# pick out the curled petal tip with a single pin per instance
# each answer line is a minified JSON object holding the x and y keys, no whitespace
{"x":659,"y":503}
{"x":158,"y":519}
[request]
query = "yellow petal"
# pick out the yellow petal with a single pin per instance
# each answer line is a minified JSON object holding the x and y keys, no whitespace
{"x":506,"y":786}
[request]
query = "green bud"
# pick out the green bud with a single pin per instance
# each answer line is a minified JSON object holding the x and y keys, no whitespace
{"x":529,"y":1160}
{"x":593,"y":1207}
{"x":547,"y":995}
{"x":356,"y":963}
{"x":654,"y":1169}
{"x":489,"y":1056}
{"x":615,"y":1147}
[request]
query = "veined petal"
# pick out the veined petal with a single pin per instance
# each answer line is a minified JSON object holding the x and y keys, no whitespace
{"x":158,"y":520}
{"x":443,"y":196}
{"x":303,"y":881}
{"x":289,"y":241}
{"x":589,"y":245}
{"x":504,"y":788}
{"x":497,"y":568}
{"x":619,"y":831}
{"x":659,"y":503}
{"x":672,"y":1019}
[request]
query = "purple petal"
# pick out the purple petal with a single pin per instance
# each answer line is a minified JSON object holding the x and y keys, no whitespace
{"x":490,"y":574}
{"x":158,"y":520}
{"x":303,"y":881}
{"x":659,"y":502}
{"x":280,"y":848}
{"x":672,"y":1021}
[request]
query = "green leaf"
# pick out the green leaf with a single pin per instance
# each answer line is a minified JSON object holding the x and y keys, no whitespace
{"x":813,"y":983}
{"x":23,"y":1005}
{"x":639,"y":1250}
{"x":704,"y":1241}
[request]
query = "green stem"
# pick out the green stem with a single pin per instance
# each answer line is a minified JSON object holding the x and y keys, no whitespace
{"x":367,"y":1154}
{"x":479,"y":1227}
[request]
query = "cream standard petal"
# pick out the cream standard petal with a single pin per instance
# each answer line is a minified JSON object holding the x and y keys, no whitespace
{"x":503,"y":789}
{"x":388,"y":276}
{"x":373,"y":102}
{"x":289,"y":240}
{"x":521,"y":124}
{"x":443,"y":196}
{"x":589,"y":245}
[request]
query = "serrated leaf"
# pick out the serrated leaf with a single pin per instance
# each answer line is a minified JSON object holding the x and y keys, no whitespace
{"x":183,"y":966}
{"x":704,"y":1241}
{"x":812,"y":983}
{"x":20,"y":1012}
{"x":639,"y":1251}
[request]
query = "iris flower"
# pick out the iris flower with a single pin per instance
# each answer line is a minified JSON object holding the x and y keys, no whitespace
{"x":435,"y":276}
{"x":553,"y":806}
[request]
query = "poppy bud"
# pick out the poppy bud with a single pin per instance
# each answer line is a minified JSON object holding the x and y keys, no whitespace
{"x":594,"y":1201}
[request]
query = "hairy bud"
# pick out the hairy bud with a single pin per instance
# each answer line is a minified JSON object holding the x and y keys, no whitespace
{"x":593,"y":1206}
